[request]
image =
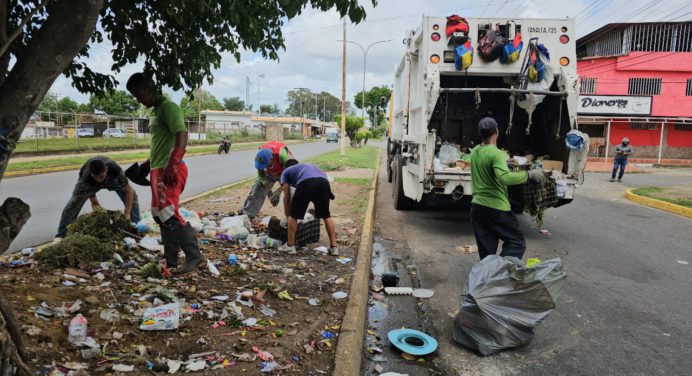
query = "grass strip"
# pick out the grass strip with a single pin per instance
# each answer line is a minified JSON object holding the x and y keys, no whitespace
{"x":659,"y":193}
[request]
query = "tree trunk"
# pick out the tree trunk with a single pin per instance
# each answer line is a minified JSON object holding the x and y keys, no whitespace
{"x":49,"y":52}
{"x":13,"y":357}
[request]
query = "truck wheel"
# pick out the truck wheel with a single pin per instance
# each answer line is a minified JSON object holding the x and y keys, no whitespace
{"x":401,"y":202}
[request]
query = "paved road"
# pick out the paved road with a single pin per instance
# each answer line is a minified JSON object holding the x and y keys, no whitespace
{"x":625,"y":309}
{"x":48,"y":193}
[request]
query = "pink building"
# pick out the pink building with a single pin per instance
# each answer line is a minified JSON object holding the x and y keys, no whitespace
{"x":636,"y":82}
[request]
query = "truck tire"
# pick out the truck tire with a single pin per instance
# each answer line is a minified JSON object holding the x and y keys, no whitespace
{"x":401,"y":202}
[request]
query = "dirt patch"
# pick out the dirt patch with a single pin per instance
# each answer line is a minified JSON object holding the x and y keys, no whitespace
{"x":354,"y":173}
{"x":301,"y":337}
{"x":676,"y":193}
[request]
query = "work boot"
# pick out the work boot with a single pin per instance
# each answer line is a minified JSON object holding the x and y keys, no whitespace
{"x":619,"y":180}
{"x":612,"y":180}
{"x":170,"y":245}
{"x":188,"y":242}
{"x":334,"y":251}
{"x":288,"y":249}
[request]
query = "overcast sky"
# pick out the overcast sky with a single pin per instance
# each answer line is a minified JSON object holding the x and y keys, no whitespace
{"x":312,"y":58}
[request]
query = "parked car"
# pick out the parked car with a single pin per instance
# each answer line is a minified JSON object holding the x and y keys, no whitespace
{"x":114,"y":132}
{"x":332,"y":137}
{"x":85,"y":132}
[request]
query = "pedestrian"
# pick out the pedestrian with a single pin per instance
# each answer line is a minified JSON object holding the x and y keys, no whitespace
{"x":270,"y":162}
{"x":491,"y":215}
{"x":622,"y":152}
{"x":311,"y":185}
{"x":96,"y":174}
{"x":168,"y":173}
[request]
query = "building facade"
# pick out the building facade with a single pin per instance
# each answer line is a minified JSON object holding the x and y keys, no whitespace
{"x":636,"y":82}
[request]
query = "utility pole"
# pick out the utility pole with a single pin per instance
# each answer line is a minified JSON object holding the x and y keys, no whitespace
{"x":343,"y":94}
{"x":247,"y":92}
{"x":324,"y":109}
{"x":259,"y":84}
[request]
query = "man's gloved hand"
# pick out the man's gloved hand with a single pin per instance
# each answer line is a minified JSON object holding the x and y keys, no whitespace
{"x":275,"y":196}
{"x":170,"y":172}
{"x":536,"y":175}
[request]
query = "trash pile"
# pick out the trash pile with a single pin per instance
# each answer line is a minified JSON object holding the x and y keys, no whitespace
{"x":91,"y":306}
{"x":505,"y":300}
{"x":451,"y":157}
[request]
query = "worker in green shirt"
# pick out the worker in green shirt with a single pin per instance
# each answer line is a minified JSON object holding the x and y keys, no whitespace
{"x":491,"y":216}
{"x":168,"y":173}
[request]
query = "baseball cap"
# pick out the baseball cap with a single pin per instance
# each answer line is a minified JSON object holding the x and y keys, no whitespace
{"x":264,"y":156}
{"x":487,"y":126}
{"x":625,"y":140}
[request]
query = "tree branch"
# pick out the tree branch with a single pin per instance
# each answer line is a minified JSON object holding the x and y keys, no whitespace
{"x":4,"y":19}
{"x":18,"y":31}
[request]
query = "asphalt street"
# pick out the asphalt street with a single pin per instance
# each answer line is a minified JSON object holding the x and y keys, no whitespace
{"x":625,"y":309}
{"x":47,"y":194}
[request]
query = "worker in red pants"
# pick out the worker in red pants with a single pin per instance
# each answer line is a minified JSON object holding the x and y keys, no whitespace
{"x":168,"y":173}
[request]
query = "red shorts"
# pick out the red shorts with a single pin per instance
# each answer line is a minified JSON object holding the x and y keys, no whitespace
{"x":165,"y":199}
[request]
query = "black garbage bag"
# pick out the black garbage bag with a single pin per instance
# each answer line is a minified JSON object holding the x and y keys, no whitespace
{"x":504,"y":300}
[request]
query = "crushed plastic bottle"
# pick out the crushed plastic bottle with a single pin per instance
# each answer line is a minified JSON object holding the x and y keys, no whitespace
{"x":77,"y":330}
{"x":269,"y":242}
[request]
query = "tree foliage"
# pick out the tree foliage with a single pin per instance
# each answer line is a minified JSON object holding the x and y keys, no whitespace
{"x":116,"y":102}
{"x":374,"y":104}
{"x":233,"y":104}
{"x":200,"y":100}
{"x":353,"y":124}
{"x":304,"y":102}
{"x":270,"y":109}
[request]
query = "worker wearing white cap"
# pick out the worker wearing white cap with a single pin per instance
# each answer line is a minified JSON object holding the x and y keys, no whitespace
{"x":622,"y":152}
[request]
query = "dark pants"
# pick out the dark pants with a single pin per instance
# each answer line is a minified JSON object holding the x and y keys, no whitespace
{"x":492,"y":225}
{"x":80,"y":195}
{"x":621,"y":164}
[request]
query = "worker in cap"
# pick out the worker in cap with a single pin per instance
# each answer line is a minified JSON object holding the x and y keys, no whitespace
{"x":270,"y":162}
{"x":622,"y":152}
{"x":491,"y":215}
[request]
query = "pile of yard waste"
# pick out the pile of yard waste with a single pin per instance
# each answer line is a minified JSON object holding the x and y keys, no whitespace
{"x":100,"y":301}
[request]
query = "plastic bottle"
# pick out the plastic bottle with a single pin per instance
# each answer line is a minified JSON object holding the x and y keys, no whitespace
{"x":77,"y":330}
{"x":233,"y":259}
{"x":272,"y":243}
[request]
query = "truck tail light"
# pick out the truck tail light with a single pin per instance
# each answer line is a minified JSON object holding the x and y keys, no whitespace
{"x":564,"y":61}
{"x":435,"y":37}
{"x":435,"y":59}
{"x":564,"y":39}
{"x":436,"y":27}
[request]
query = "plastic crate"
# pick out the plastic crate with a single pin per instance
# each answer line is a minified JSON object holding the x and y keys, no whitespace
{"x":532,"y":196}
{"x":308,"y":231}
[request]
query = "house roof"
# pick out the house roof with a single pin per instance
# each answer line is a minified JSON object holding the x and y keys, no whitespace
{"x":617,"y":26}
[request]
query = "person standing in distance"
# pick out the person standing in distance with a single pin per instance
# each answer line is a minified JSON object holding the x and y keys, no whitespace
{"x":622,"y":153}
{"x":168,"y":173}
{"x":491,"y":216}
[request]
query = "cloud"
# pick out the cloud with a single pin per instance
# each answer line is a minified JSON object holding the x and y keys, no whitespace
{"x":312,"y":58}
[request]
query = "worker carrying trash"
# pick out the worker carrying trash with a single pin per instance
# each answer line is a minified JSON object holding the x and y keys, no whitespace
{"x":270,"y":162}
{"x":168,"y":173}
{"x":96,"y":174}
{"x":311,"y":185}
{"x":491,"y":215}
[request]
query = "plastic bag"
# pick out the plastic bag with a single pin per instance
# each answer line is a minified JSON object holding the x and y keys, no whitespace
{"x":164,"y":317}
{"x":449,"y":154}
{"x":504,"y":300}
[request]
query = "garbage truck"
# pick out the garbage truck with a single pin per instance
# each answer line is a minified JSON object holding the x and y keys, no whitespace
{"x":456,"y":71}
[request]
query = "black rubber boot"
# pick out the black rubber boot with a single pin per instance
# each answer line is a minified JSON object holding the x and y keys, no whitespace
{"x":188,"y":242}
{"x":169,"y":240}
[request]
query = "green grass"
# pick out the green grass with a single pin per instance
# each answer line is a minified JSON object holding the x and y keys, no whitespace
{"x":359,"y":202}
{"x":659,"y":193}
{"x":77,"y":162}
{"x":91,"y":144}
{"x":363,"y":157}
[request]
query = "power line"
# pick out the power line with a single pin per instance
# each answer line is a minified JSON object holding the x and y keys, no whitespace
{"x":587,"y":8}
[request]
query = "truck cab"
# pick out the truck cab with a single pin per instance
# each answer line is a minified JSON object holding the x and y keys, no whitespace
{"x":436,"y":105}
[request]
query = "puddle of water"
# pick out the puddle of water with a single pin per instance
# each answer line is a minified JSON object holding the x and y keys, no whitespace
{"x":393,"y":313}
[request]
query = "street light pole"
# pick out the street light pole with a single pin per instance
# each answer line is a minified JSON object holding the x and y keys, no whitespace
{"x":365,"y":63}
{"x":259,"y":84}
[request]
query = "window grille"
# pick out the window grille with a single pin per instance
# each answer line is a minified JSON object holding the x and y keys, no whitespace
{"x":588,"y":85}
{"x":644,"y":126}
{"x":644,"y":86}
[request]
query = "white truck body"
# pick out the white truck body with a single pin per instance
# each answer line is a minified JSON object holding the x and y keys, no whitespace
{"x":434,"y":103}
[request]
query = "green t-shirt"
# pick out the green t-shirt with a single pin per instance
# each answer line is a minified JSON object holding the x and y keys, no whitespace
{"x":166,"y":121}
{"x":490,"y":177}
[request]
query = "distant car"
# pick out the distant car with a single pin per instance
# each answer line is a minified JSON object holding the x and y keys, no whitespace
{"x":114,"y":132}
{"x":85,"y":132}
{"x":332,"y":137}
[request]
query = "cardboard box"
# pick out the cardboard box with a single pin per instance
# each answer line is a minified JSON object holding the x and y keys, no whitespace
{"x":464,"y":165}
{"x":552,"y":165}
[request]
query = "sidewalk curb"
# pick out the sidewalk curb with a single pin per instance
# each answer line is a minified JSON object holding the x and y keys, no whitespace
{"x":349,"y":348}
{"x":658,"y":204}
